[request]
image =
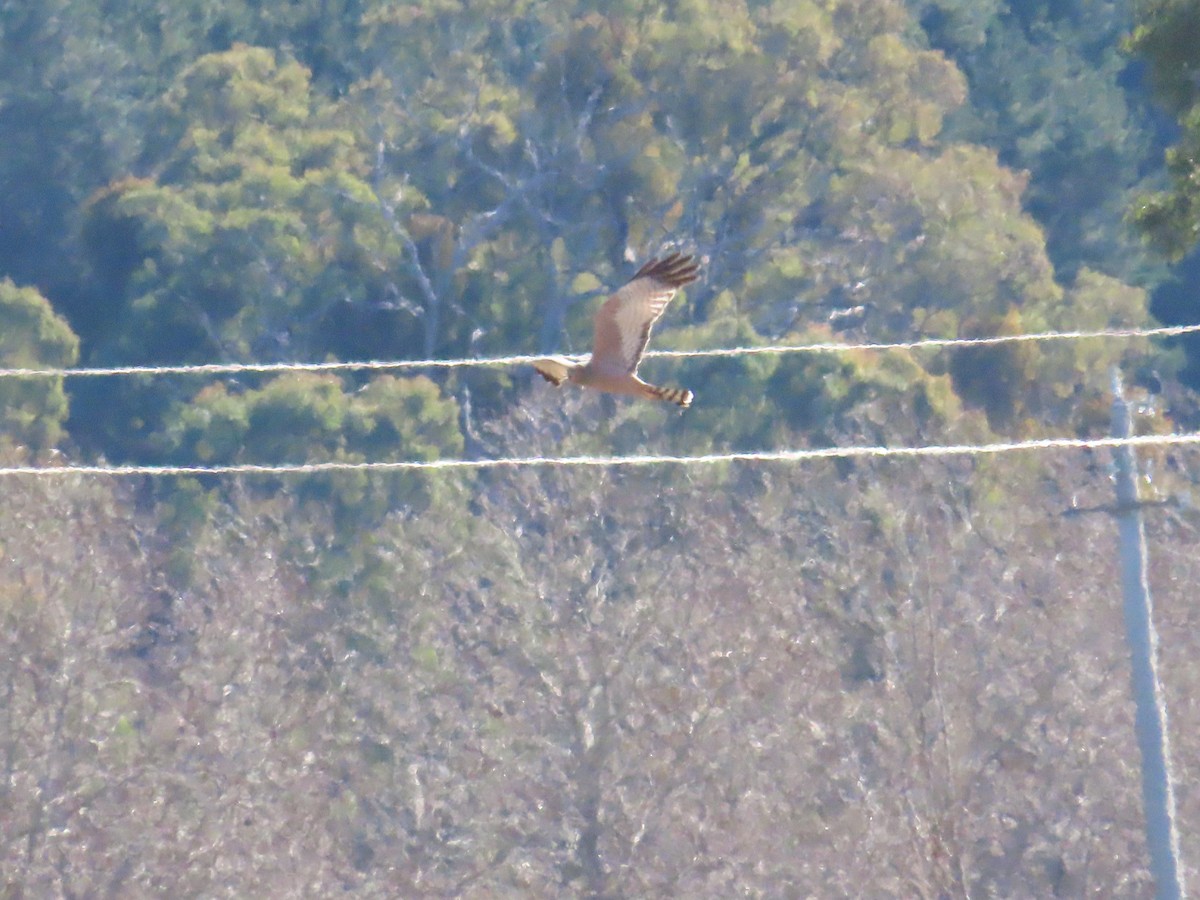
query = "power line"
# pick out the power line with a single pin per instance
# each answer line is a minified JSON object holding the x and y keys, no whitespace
{"x":773,"y":349}
{"x":1148,"y":440}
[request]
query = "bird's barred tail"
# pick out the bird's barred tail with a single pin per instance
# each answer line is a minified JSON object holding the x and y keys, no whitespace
{"x":679,"y":396}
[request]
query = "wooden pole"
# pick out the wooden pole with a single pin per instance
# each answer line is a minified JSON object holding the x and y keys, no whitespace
{"x":1150,"y":723}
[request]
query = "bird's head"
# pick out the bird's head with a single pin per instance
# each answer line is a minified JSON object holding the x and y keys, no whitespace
{"x":555,"y":369}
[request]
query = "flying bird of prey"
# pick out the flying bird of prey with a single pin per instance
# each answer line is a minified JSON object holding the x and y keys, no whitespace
{"x":622,"y":330}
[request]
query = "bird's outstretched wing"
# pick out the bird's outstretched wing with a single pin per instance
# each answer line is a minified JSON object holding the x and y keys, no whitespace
{"x":624,"y":321}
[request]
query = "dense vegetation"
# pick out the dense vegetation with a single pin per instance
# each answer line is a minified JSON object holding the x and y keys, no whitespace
{"x":838,"y":679}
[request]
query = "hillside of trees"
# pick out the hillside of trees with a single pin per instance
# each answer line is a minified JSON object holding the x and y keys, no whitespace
{"x":886,"y":678}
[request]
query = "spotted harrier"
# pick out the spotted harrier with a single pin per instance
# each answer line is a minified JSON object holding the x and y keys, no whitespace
{"x":622,"y":330}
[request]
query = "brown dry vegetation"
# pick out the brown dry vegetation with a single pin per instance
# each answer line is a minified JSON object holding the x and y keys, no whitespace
{"x":892,"y":679}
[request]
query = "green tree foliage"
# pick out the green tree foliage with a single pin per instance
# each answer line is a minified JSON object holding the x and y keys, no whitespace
{"x":32,"y":336}
{"x":400,"y":418}
{"x":62,"y":113}
{"x":1049,"y":91}
{"x":480,"y":177}
{"x":817,"y":173}
{"x":308,"y":418}
{"x":1168,"y":37}
{"x":254,"y":211}
{"x":246,"y":242}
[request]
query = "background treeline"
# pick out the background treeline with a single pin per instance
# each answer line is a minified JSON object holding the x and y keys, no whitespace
{"x":886,"y":679}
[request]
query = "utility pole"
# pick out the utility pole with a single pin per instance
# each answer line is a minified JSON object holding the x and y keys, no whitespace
{"x":1158,"y":797}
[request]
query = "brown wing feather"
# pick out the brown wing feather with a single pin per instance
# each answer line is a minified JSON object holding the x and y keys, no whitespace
{"x":623,"y":323}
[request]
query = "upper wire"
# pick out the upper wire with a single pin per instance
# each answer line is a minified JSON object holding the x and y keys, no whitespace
{"x":523,"y":359}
